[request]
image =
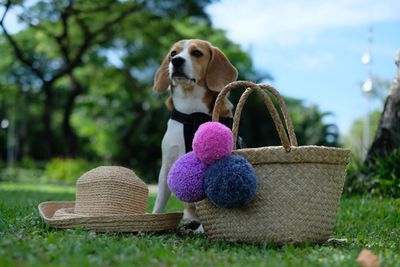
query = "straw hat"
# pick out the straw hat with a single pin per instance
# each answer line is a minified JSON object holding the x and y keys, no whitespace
{"x":108,"y":199}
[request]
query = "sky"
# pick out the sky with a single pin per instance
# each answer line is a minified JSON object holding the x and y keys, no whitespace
{"x":313,"y":48}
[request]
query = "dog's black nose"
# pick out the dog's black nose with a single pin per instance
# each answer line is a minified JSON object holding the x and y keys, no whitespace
{"x":177,"y":61}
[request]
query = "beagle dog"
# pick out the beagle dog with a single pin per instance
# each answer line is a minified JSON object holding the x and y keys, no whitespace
{"x":195,"y":72}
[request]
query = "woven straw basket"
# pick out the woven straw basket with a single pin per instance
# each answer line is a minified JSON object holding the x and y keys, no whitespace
{"x":299,"y":187}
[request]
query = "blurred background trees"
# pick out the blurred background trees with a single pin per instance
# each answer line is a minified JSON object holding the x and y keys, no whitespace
{"x":375,"y":169}
{"x":75,"y":84}
{"x":354,"y":138}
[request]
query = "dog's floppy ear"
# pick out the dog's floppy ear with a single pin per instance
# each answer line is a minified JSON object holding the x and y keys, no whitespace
{"x":220,"y":71}
{"x":161,"y":80}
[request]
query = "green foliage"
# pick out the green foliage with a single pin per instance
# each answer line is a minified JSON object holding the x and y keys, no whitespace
{"x":57,"y":170}
{"x":354,"y":184}
{"x":257,"y":128}
{"x":26,"y":241}
{"x":116,"y":117}
{"x":354,"y":138}
{"x":310,"y":126}
{"x":384,"y":175}
{"x":21,"y":175}
{"x":67,"y":170}
{"x":30,"y":163}
{"x":380,"y":177}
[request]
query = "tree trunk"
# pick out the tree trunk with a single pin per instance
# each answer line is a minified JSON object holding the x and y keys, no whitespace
{"x":70,"y":137}
{"x":22,"y":135}
{"x":48,"y":144}
{"x":387,"y":137}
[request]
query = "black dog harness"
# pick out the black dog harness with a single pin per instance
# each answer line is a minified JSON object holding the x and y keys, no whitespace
{"x":191,"y":123}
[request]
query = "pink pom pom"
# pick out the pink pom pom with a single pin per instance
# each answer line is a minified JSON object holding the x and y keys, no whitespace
{"x":212,"y":141}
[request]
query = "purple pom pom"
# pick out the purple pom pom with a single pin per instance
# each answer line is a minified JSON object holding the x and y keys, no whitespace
{"x":185,"y":179}
{"x":212,"y":141}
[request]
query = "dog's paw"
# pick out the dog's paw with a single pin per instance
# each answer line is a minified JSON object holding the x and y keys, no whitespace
{"x":199,"y":230}
{"x":189,"y":228}
{"x":191,"y":225}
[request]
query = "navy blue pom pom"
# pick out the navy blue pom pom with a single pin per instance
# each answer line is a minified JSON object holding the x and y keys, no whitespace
{"x":230,"y":182}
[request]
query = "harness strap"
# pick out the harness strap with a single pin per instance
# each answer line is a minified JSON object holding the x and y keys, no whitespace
{"x":191,"y":123}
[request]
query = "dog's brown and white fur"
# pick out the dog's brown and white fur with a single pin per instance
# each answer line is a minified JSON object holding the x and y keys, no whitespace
{"x":194,"y":71}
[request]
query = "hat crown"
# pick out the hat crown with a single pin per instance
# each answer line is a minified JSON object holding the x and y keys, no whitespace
{"x":110,"y":190}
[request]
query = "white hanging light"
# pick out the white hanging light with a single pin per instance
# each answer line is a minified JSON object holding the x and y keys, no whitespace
{"x":4,"y":124}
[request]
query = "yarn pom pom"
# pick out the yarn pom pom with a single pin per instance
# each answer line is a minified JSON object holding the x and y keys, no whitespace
{"x":212,"y":141}
{"x":185,"y":179}
{"x":230,"y":182}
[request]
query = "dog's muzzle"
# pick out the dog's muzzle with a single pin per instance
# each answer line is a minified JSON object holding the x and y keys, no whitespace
{"x":178,"y":73}
{"x":178,"y":62}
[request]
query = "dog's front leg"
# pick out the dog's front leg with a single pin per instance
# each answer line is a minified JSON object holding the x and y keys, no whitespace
{"x":172,"y":147}
{"x":163,"y":190}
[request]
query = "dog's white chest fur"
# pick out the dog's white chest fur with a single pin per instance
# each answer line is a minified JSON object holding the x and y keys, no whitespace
{"x":189,"y":100}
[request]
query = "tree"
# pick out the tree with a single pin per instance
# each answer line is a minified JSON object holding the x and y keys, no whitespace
{"x":354,"y":138}
{"x":380,"y":173}
{"x":107,"y":101}
{"x":387,"y":138}
{"x":67,"y":54}
{"x":70,"y":29}
{"x":257,"y":128}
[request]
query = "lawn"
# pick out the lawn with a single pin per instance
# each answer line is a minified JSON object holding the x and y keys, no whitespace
{"x":26,"y":241}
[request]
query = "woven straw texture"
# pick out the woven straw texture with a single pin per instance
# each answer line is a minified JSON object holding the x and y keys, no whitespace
{"x":108,"y":199}
{"x":60,"y":214}
{"x":110,"y":190}
{"x":299,"y":187}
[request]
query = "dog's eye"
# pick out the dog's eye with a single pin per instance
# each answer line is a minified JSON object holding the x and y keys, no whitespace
{"x":197,"y":53}
{"x":173,"y":53}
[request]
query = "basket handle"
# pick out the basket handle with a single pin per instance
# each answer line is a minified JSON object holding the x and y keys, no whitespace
{"x":285,"y":112}
{"x":287,"y":140}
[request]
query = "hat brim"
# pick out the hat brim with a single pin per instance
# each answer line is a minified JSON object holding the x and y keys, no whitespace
{"x":107,"y":223}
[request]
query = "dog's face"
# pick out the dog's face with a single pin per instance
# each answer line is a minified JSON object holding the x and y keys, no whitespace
{"x":189,"y":61}
{"x":195,"y":62}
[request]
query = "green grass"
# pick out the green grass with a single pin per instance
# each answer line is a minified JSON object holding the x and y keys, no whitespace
{"x":25,"y":241}
{"x":45,"y":188}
